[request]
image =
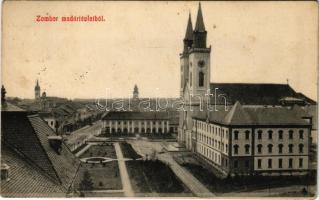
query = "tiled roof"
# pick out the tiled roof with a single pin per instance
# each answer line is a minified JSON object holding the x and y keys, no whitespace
{"x":254,"y":93}
{"x":29,"y":136}
{"x":10,"y":107}
{"x":126,"y":115}
{"x":18,"y":133}
{"x":255,"y":115}
{"x":26,"y":179}
{"x":65,"y":164}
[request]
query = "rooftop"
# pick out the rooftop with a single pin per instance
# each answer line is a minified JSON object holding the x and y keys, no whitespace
{"x":29,"y":136}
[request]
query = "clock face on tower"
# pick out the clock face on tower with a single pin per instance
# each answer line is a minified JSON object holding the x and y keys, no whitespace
{"x":201,"y":63}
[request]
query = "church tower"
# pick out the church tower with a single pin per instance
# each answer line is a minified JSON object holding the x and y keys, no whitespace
{"x":135,"y":92}
{"x":188,"y":41}
{"x":199,"y":61}
{"x":37,"y":91}
{"x":195,"y":77}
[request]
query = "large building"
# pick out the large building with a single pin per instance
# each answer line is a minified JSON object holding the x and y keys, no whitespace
{"x":240,"y":128}
{"x":131,"y":123}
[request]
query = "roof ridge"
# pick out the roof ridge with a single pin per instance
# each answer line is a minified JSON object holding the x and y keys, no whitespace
{"x":229,"y":118}
{"x":45,"y":152}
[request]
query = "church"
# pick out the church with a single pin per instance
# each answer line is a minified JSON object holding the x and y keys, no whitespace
{"x":245,"y":129}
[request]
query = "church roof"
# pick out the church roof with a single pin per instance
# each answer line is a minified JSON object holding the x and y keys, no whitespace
{"x":254,"y":93}
{"x":200,"y":27}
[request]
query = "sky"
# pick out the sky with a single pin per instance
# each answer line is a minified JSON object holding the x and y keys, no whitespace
{"x":140,"y":42}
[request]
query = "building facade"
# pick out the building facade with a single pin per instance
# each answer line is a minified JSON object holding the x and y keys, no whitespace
{"x":240,"y":128}
{"x":245,"y":142}
{"x":131,"y":123}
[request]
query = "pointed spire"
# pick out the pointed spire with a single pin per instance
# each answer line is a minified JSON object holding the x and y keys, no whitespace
{"x":199,"y":21}
{"x":37,"y":82}
{"x":189,"y":29}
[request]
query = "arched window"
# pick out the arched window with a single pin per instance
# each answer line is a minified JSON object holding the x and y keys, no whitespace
{"x":291,"y":134}
{"x":260,"y":134}
{"x":201,"y":79}
{"x":190,"y":78}
{"x":300,"y":134}
{"x":247,"y":135}
{"x":280,"y":134}
{"x":236,"y":135}
{"x":270,"y":134}
{"x":291,"y":146}
{"x":280,"y":147}
{"x":300,"y":148}
{"x":259,"y":148}
{"x":270,"y":148}
{"x":235,"y":149}
{"x":247,"y":148}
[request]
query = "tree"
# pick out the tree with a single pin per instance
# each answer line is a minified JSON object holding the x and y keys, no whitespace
{"x":86,"y":182}
{"x":3,"y":95}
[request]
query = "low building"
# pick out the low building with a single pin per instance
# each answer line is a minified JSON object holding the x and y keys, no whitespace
{"x":136,"y":122}
{"x":249,"y":140}
{"x":49,"y":119}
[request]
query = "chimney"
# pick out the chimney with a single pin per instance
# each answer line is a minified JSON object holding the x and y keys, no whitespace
{"x":55,"y":142}
{"x":4,"y":172}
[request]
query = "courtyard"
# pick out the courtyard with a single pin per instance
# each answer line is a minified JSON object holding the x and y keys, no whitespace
{"x":116,"y":168}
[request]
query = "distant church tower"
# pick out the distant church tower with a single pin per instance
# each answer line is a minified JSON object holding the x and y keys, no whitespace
{"x":135,"y":92}
{"x":195,"y":75}
{"x":37,"y":91}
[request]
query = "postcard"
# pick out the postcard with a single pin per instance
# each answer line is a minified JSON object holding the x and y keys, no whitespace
{"x":211,"y":99}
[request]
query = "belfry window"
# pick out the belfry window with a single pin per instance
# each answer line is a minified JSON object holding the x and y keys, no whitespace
{"x":201,"y":79}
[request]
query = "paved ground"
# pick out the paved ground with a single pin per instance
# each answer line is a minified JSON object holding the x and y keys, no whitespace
{"x":146,"y":148}
{"x":127,"y":187}
{"x":78,"y":137}
{"x":83,"y":150}
{"x":187,"y":178}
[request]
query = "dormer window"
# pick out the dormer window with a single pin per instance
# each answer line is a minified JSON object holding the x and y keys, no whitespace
{"x":55,"y":142}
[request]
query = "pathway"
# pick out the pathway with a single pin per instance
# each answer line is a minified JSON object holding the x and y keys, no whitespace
{"x":146,"y":148}
{"x":187,"y":178}
{"x":83,"y":150}
{"x":127,"y":187}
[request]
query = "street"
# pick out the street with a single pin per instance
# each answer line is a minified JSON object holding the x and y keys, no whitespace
{"x":78,"y":137}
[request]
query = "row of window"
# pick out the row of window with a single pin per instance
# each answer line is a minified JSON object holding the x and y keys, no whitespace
{"x":270,"y":163}
{"x":270,"y":134}
{"x":147,"y":123}
{"x":213,"y":143}
{"x":136,"y":130}
{"x":280,"y":163}
{"x":212,"y":129}
{"x":280,"y":148}
{"x":208,"y":153}
{"x":270,"y":148}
